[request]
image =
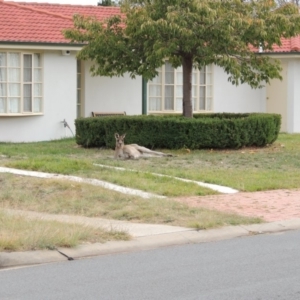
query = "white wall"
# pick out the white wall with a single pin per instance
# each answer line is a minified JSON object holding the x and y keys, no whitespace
{"x":117,"y":94}
{"x":106,"y":94}
{"x":102,"y":94}
{"x":236,"y":99}
{"x":59,"y":74}
{"x":293,"y":97}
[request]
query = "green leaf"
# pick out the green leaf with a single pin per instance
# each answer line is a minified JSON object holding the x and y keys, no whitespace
{"x":148,"y":32}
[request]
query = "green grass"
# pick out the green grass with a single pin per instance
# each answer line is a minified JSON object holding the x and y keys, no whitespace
{"x":64,"y":197}
{"x":18,"y":234}
{"x":250,"y":169}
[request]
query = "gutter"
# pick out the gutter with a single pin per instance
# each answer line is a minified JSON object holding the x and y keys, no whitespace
{"x":280,"y":54}
{"x":40,"y":46}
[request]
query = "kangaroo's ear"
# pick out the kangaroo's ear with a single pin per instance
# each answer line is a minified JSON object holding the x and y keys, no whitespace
{"x":116,"y":135}
{"x":123,"y":136}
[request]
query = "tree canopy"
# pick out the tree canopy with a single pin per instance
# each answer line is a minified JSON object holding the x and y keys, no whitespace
{"x":107,"y":3}
{"x":104,"y":3}
{"x":191,"y":33}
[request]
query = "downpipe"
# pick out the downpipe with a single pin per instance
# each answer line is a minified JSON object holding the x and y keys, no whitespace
{"x":67,"y":125}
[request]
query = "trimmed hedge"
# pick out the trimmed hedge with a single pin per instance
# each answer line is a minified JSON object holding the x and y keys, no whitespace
{"x":226,"y":130}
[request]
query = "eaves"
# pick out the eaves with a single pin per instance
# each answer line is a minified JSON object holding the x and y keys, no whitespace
{"x":280,"y":54}
{"x":40,"y":46}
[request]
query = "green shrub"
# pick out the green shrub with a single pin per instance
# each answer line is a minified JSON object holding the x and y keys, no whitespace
{"x":226,"y":130}
{"x":90,"y":132}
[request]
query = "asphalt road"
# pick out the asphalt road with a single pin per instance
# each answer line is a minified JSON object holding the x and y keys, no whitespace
{"x":256,"y":267}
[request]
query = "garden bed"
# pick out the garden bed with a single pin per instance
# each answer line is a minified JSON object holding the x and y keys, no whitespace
{"x":215,"y":131}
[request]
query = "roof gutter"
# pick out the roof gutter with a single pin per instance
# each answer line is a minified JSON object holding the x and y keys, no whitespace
{"x":40,"y":46}
{"x":280,"y":54}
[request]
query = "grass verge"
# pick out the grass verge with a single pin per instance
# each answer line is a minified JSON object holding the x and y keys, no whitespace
{"x":19,"y":234}
{"x":64,"y":197}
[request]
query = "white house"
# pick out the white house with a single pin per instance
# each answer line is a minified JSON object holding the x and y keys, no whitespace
{"x":43,"y":86}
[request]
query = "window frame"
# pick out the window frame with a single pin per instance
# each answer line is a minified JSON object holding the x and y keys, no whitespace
{"x":79,"y":88}
{"x":22,"y":83}
{"x":160,"y":81}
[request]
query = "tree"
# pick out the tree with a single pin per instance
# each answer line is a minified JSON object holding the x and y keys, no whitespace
{"x":107,"y":2}
{"x":104,"y":3}
{"x":191,"y":33}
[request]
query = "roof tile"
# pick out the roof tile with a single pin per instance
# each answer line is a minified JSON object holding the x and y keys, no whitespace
{"x":100,"y":12}
{"x":44,"y":22}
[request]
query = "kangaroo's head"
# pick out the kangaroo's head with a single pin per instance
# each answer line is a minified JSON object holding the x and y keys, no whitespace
{"x":119,"y":140}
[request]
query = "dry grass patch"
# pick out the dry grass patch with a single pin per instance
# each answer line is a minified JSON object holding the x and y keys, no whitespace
{"x":18,"y":234}
{"x":63,"y":197}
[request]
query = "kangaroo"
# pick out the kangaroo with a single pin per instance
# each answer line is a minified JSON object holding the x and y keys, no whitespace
{"x":132,"y":151}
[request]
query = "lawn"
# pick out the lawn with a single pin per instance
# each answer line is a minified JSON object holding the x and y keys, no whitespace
{"x":247,"y":169}
{"x":64,"y":197}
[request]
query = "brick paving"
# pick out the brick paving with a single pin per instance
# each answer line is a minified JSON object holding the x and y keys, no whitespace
{"x":276,"y":205}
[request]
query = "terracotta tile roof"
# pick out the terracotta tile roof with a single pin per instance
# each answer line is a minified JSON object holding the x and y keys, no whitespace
{"x":100,"y":12}
{"x":43,"y":22}
{"x":290,"y":45}
{"x":293,"y":45}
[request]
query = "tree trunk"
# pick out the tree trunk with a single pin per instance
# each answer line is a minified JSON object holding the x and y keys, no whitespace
{"x":187,"y":68}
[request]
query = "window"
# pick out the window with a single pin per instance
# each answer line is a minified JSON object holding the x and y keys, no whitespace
{"x":165,"y":91}
{"x":20,"y":83}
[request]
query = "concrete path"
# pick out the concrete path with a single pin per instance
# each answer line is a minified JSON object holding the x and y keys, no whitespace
{"x":134,"y":229}
{"x":281,"y":208}
{"x":146,"y":237}
{"x":215,"y":187}
{"x":92,"y":181}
